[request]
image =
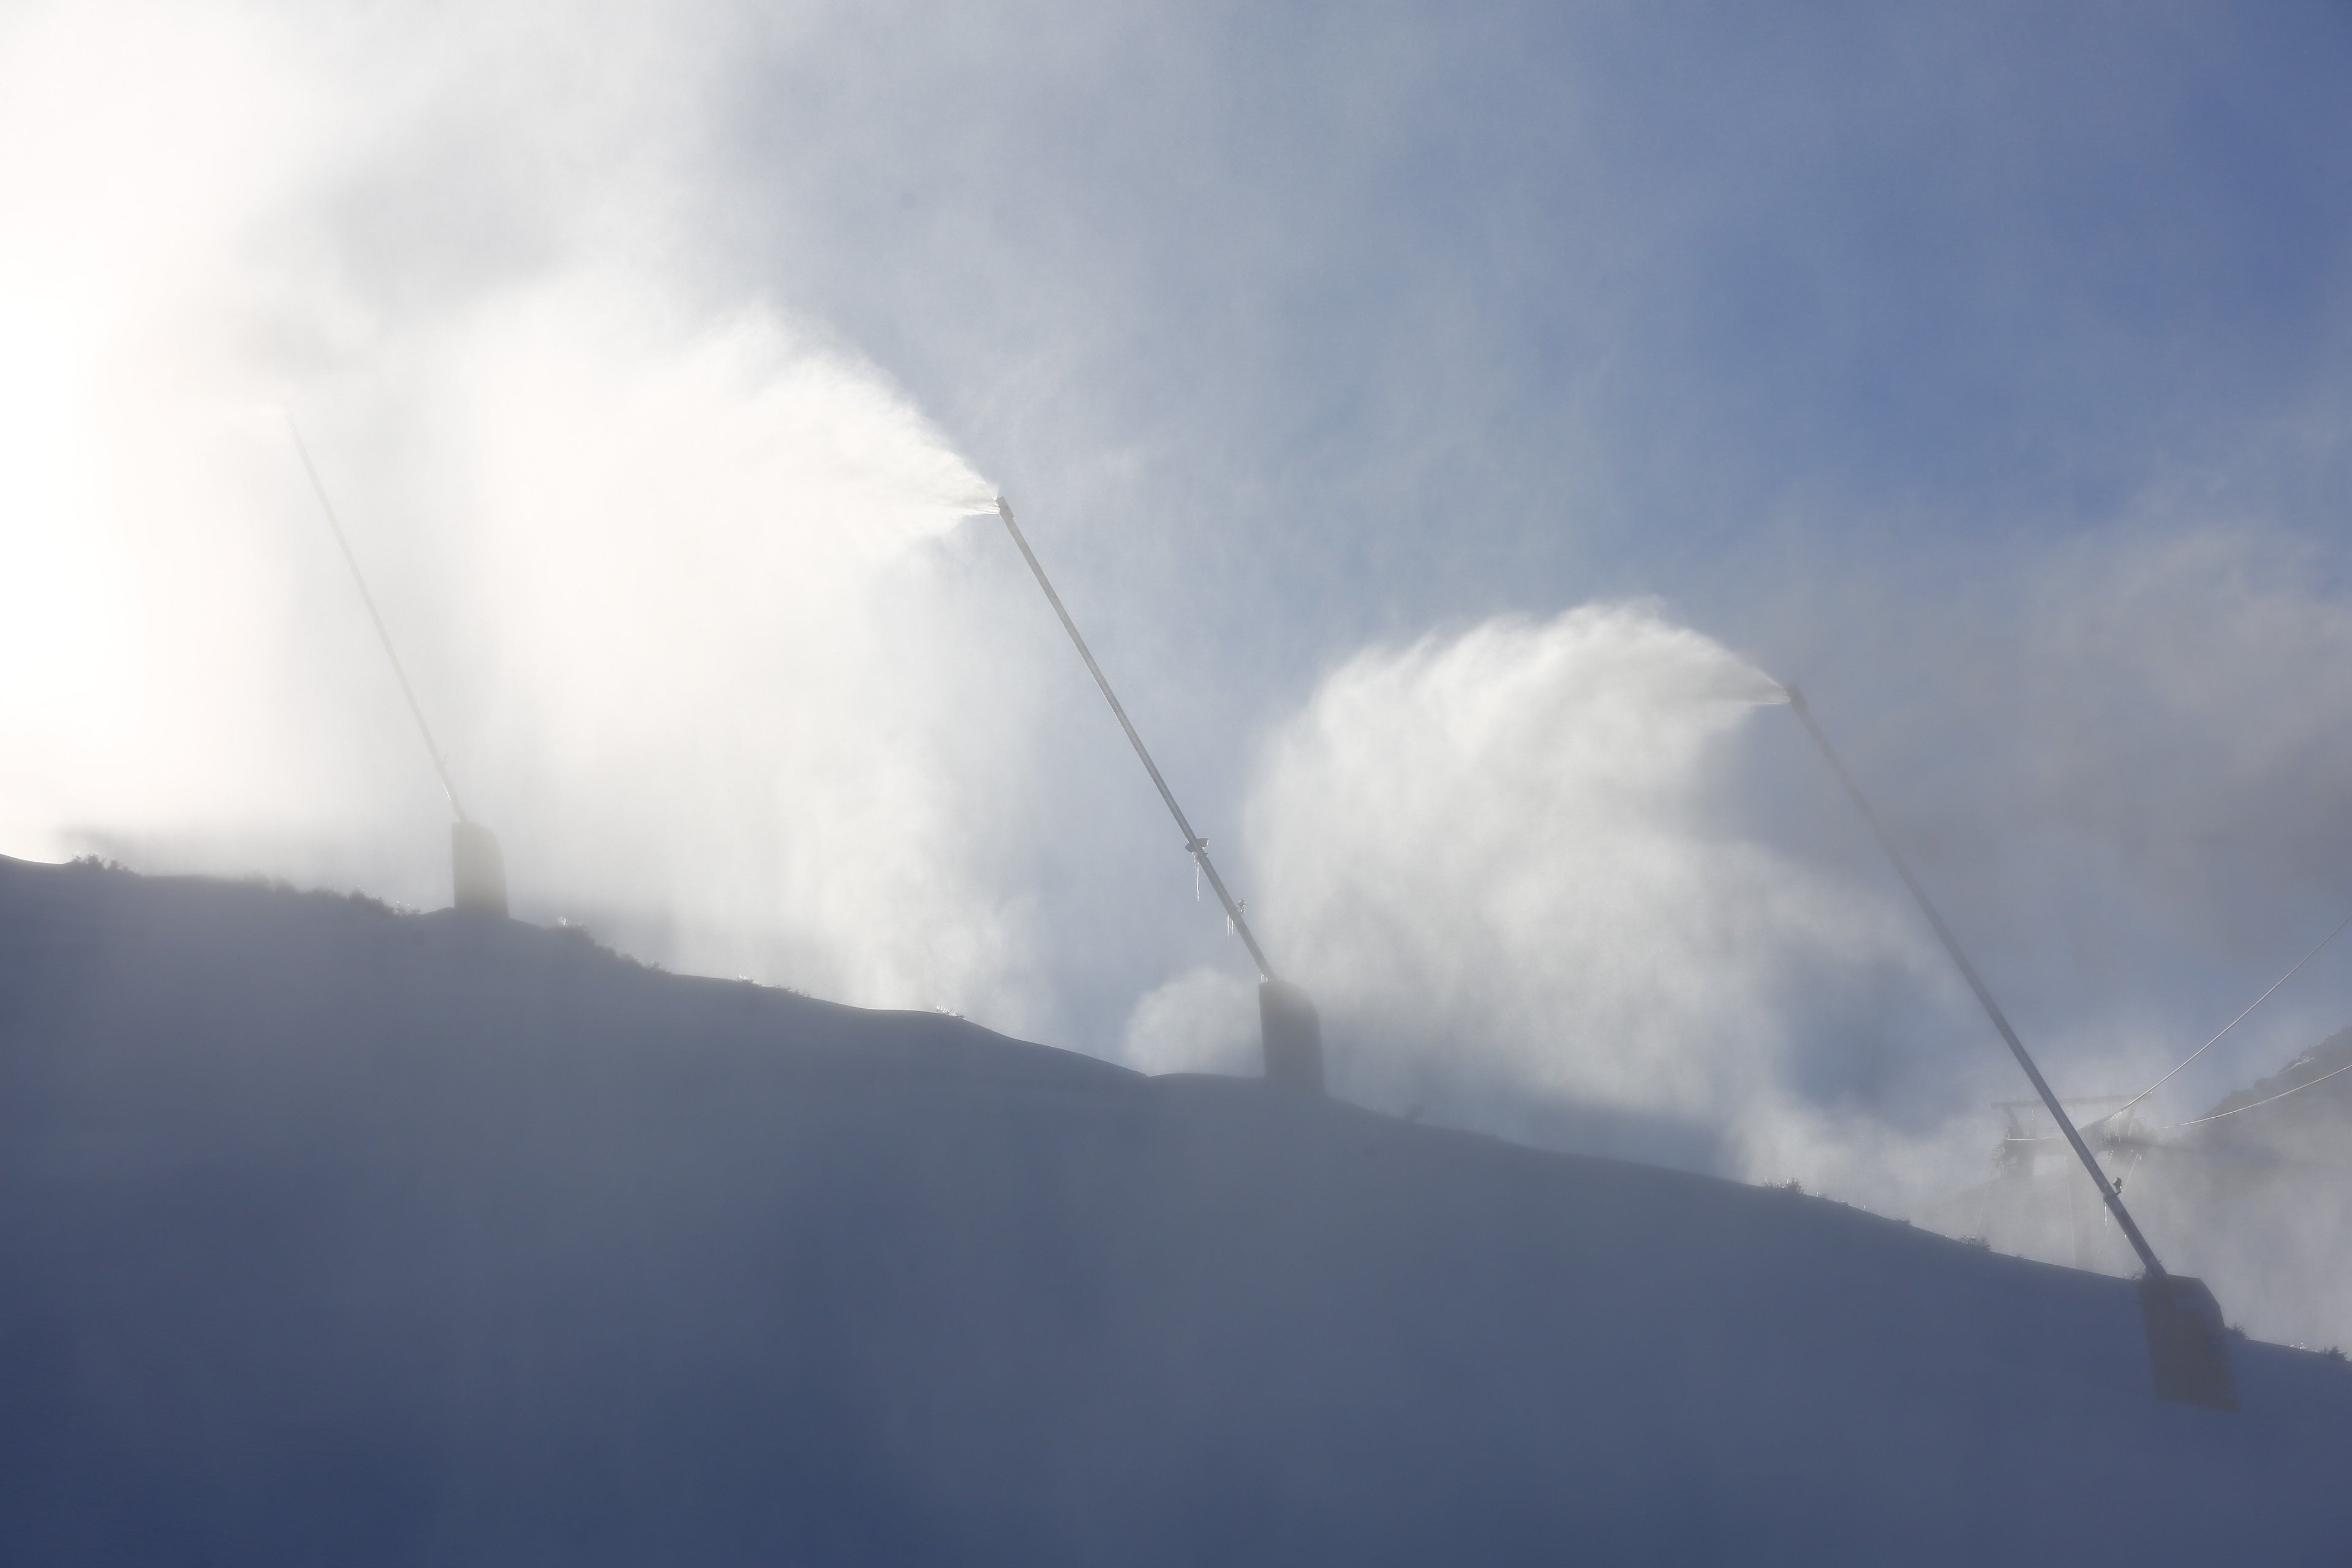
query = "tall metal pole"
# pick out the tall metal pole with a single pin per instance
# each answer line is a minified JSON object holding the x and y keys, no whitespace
{"x":415,"y":710}
{"x":2108,"y":1192}
{"x":477,"y":870}
{"x":1194,"y":844}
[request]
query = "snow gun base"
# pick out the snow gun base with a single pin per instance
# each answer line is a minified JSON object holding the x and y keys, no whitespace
{"x":1293,"y":1034}
{"x":478,"y":869}
{"x":2188,"y":1347}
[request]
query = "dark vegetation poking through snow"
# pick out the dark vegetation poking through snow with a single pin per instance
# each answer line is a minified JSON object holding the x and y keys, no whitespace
{"x":332,"y":1235}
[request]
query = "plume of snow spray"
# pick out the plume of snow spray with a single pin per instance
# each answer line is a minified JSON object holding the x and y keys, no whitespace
{"x":669,"y":568}
{"x":1507,"y":860}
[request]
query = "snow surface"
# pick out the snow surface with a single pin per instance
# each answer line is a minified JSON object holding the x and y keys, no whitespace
{"x":335,"y":1236}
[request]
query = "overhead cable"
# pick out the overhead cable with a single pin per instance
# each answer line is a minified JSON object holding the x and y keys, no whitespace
{"x":2257,"y":1105}
{"x":2232,"y":1023}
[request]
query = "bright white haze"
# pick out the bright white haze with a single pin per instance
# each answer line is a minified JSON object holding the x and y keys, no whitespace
{"x":664,"y":573}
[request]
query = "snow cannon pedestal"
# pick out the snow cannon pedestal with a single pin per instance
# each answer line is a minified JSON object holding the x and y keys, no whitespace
{"x":1293,"y":1035}
{"x":478,"y":869}
{"x":2188,"y":1347}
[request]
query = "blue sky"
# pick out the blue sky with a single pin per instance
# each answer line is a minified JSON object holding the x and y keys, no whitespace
{"x":1605,"y":288}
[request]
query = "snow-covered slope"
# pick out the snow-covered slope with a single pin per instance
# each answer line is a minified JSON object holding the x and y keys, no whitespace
{"x":333,"y":1236}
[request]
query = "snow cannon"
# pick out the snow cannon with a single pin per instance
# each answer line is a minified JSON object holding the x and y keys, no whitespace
{"x":1292,"y":1033}
{"x":478,"y":869}
{"x":2188,"y":1346}
{"x":1289,"y":1028}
